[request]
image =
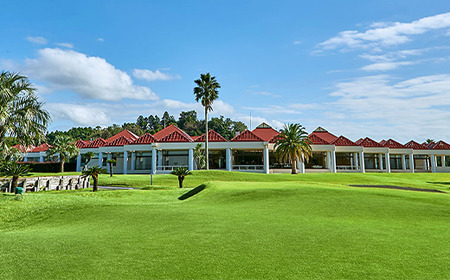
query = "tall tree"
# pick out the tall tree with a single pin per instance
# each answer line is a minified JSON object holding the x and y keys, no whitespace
{"x":206,"y":91}
{"x":21,"y":113}
{"x":65,"y":147}
{"x":293,"y":144}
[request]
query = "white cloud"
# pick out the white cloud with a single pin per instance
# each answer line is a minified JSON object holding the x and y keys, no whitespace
{"x":88,"y":76}
{"x":65,"y":45}
{"x":154,"y":76}
{"x":386,"y":34}
{"x":100,"y":39}
{"x":86,"y":114}
{"x":266,"y":93}
{"x":37,"y":40}
{"x":384,"y":66}
{"x":297,"y":42}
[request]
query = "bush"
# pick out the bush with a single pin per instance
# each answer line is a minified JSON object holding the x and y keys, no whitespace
{"x":51,"y":167}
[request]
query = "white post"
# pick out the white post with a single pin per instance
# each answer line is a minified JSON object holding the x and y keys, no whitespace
{"x":78,"y":162}
{"x":433,"y":163}
{"x":380,"y":158}
{"x":333,"y":162}
{"x":100,"y":159}
{"x":361,"y":160}
{"x":355,"y":156}
{"x":133,"y":161}
{"x":411,"y":162}
{"x":154,"y":160}
{"x":125,"y":162}
{"x":329,"y":165}
{"x":25,"y":159}
{"x":443,"y":161}
{"x":160,"y":158}
{"x":228,"y":159}
{"x":108,"y":168}
{"x":41,"y":158}
{"x":404,"y":162}
{"x":266,"y":159}
{"x":388,"y":163}
{"x":191,"y":159}
{"x":351,"y":163}
{"x":301,"y":164}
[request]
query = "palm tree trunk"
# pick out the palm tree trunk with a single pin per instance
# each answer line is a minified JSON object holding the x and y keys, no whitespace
{"x":294,"y":165}
{"x":180,"y":181}
{"x":110,"y":170}
{"x":95,"y":187}
{"x":15,"y":180}
{"x":61,"y":162}
{"x":206,"y":139}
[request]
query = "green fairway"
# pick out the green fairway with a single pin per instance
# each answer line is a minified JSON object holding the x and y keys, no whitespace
{"x":243,"y":225}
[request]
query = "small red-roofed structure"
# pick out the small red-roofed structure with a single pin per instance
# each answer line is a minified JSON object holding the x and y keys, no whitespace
{"x":415,"y":146}
{"x":212,"y":137}
{"x":121,"y":141}
{"x":99,"y":142}
{"x":392,"y":144}
{"x":147,"y":138}
{"x":343,"y":141}
{"x":176,"y":136}
{"x":369,"y":143}
{"x":265,"y":132}
{"x":441,"y":145}
{"x":169,"y":130}
{"x":125,"y":133}
{"x":41,"y":148}
{"x":246,"y":136}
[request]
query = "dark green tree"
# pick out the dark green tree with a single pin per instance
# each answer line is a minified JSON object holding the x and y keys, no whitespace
{"x":181,"y":172}
{"x":94,"y":171}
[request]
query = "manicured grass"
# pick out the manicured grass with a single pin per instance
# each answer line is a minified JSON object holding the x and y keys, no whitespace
{"x":251,"y":226}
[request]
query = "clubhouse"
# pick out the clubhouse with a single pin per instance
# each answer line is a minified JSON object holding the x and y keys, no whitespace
{"x":253,"y":151}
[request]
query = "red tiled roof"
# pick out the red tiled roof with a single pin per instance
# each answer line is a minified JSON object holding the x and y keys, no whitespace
{"x":41,"y":148}
{"x":22,"y":148}
{"x":121,"y":141}
{"x":82,"y":143}
{"x":316,"y":140}
{"x":325,"y":135}
{"x":343,"y":141}
{"x":367,"y":142}
{"x":246,"y":136}
{"x":147,"y":138}
{"x":169,"y":130}
{"x":382,"y":142}
{"x":275,"y":139}
{"x":414,"y":145}
{"x":212,"y":137}
{"x":126,"y":133}
{"x":176,"y":136}
{"x":392,"y":144}
{"x":195,"y":137}
{"x":266,"y":133}
{"x":99,"y":142}
{"x":429,"y":145}
{"x":441,"y":145}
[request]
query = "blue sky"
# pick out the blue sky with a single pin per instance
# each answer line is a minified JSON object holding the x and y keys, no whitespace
{"x":358,"y":68}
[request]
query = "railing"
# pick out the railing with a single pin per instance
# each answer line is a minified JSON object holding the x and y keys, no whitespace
{"x":169,"y":167}
{"x":347,"y":167}
{"x":248,"y":167}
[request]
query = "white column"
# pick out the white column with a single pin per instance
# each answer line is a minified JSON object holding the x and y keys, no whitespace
{"x":443,"y":161}
{"x":154,"y":160}
{"x":25,"y":159}
{"x":266,"y":159}
{"x":59,"y":157}
{"x":351,"y":162}
{"x":333,"y":162}
{"x":160,"y":158}
{"x":191,"y":159}
{"x":329,"y":166}
{"x":301,"y":165}
{"x":388,"y":163}
{"x":228,"y":159}
{"x":78,"y":162}
{"x":108,"y":157}
{"x":433,"y":163}
{"x":361,"y":160}
{"x":404,"y":162}
{"x":125,"y":162}
{"x":355,"y":156}
{"x":380,"y":158}
{"x":133,"y":161}
{"x":411,"y":162}
{"x":100,"y":159}
{"x":41,"y":158}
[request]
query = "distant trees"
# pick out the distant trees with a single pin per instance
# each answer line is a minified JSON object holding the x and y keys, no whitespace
{"x":65,"y":147}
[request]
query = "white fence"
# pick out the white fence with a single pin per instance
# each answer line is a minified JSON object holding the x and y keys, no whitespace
{"x":36,"y":184}
{"x":248,"y":167}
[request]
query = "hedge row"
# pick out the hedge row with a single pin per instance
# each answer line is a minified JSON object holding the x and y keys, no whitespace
{"x":51,"y":167}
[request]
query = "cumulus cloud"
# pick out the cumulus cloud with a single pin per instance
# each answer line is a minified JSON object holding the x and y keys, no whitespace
{"x":386,"y":34}
{"x":85,"y":115}
{"x":154,"y":76}
{"x":88,"y":76}
{"x":65,"y":45}
{"x":100,"y":39}
{"x":384,"y":66}
{"x":37,"y":40}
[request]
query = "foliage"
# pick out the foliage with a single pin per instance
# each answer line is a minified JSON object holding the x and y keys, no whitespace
{"x":293,"y":144}
{"x":94,"y":171}
{"x":199,"y":156}
{"x":14,"y":170}
{"x":65,"y":147}
{"x":181,"y":172}
{"x":206,"y":91}
{"x":22,"y":115}
{"x":111,"y":163}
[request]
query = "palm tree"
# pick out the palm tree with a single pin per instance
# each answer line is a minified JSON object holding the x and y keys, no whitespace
{"x":111,"y":162}
{"x":199,"y":156}
{"x":88,"y":156}
{"x":14,"y":170}
{"x":65,"y":147}
{"x":94,"y":171}
{"x":21,"y":113}
{"x":181,"y":172}
{"x":206,"y":91}
{"x":293,"y":144}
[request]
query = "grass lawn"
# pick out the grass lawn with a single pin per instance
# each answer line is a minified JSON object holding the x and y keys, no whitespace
{"x":242,"y":225}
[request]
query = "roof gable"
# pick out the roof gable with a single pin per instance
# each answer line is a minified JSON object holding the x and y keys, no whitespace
{"x":316,"y":140}
{"x":367,"y":142}
{"x":246,"y":136}
{"x":121,"y":141}
{"x":147,"y":138}
{"x":176,"y":136}
{"x":441,"y":145}
{"x":41,"y":148}
{"x":392,"y":144}
{"x":82,"y":143}
{"x":265,"y":133}
{"x":99,"y":142}
{"x":169,"y":130}
{"x":343,"y":141}
{"x":22,"y":148}
{"x":414,"y":145}
{"x":325,"y":135}
{"x":212,"y":137}
{"x":126,"y":133}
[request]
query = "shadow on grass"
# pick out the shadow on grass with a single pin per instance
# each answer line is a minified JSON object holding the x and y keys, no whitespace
{"x":192,"y":192}
{"x":439,"y":183}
